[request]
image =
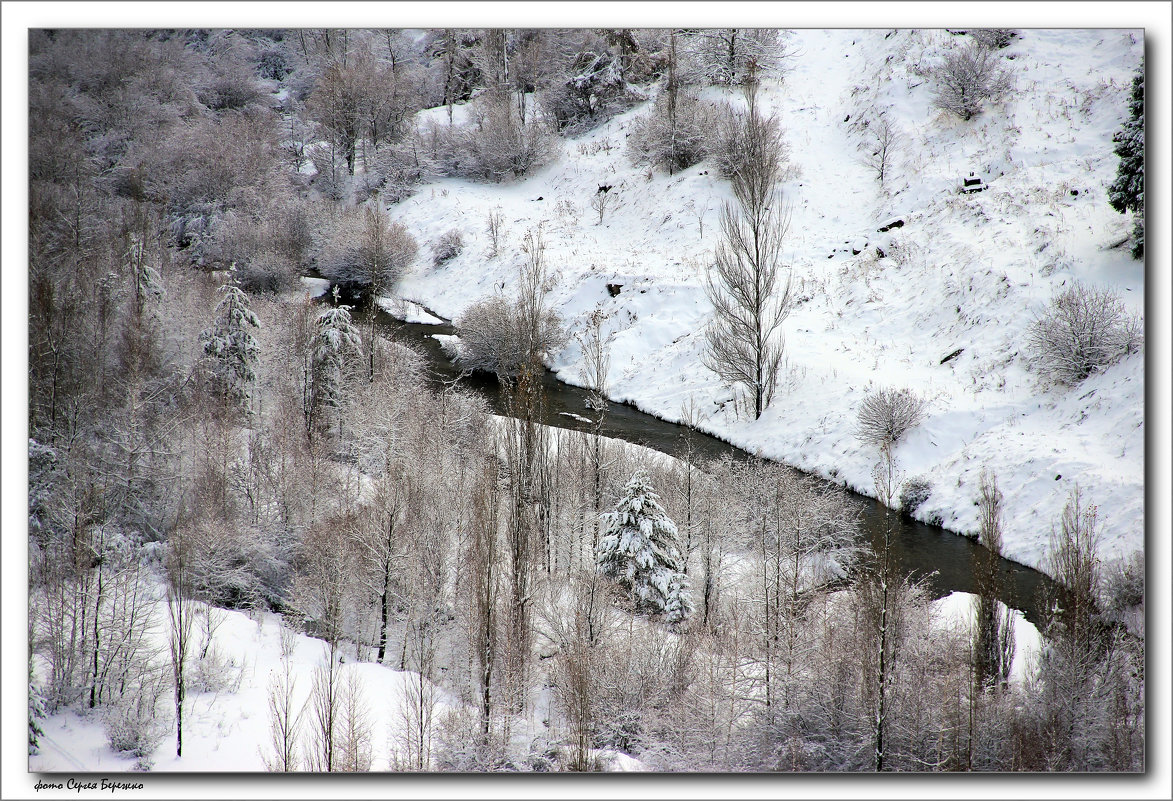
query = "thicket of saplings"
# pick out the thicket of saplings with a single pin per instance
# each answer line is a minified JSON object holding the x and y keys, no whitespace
{"x":195,"y":448}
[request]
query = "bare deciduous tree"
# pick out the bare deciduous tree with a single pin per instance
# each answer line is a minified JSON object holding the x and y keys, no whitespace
{"x":1083,"y":331}
{"x":968,"y":78}
{"x":181,"y":609}
{"x":993,"y":636}
{"x":284,"y":718}
{"x":750,"y":302}
{"x":880,"y":140}
{"x":886,"y":415}
{"x":493,"y":224}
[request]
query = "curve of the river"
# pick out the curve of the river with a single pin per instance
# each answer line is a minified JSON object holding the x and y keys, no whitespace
{"x":943,"y":559}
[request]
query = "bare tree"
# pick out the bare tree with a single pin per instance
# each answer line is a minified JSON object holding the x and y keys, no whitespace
{"x":325,"y":711}
{"x":885,"y":415}
{"x":968,"y":78}
{"x":181,"y":609}
{"x":881,"y":138}
{"x":486,"y":577}
{"x":743,"y":342}
{"x":354,"y":735}
{"x":881,"y":592}
{"x":493,"y":225}
{"x":284,"y":718}
{"x":599,"y":203}
{"x":1083,"y":331}
{"x":993,"y":637}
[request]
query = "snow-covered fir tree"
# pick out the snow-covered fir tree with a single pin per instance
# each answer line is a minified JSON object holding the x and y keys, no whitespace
{"x":336,"y":340}
{"x":37,"y":712}
{"x":639,"y":550}
{"x":230,"y":346}
{"x":1127,"y":192}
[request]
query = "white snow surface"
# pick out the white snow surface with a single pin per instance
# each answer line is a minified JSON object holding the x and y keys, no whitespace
{"x":407,"y":311}
{"x":228,"y":731}
{"x":964,"y":271}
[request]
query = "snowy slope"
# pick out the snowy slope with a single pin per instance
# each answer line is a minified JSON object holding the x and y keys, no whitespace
{"x":964,"y":271}
{"x":228,"y":731}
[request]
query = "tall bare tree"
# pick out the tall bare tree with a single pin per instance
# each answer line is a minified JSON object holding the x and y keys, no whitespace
{"x":181,"y":616}
{"x":743,"y":341}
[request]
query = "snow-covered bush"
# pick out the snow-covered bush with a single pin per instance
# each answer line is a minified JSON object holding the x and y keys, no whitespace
{"x":968,"y":78}
{"x":447,"y":246}
{"x":915,"y":491}
{"x":732,"y":56}
{"x":735,"y":142}
{"x":495,"y":339}
{"x":672,"y":144}
{"x":365,"y":250}
{"x":639,"y":549}
{"x":498,"y":145}
{"x":594,"y":93}
{"x":267,"y":271}
{"x":1124,"y":584}
{"x":887,"y":414}
{"x":137,"y":721}
{"x":1082,"y":331}
{"x":404,"y":165}
{"x":993,"y":38}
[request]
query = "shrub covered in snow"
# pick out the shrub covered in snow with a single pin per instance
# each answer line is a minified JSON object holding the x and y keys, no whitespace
{"x":595,"y":92}
{"x":732,"y":56}
{"x":498,"y":145}
{"x":887,"y":414}
{"x":138,"y":720}
{"x":671,"y":142}
{"x":1081,"y":332}
{"x":993,"y":38}
{"x":403,"y":165}
{"x":267,"y":271}
{"x":447,"y":246}
{"x":735,"y":142}
{"x":494,"y":337}
{"x":1124,"y":582}
{"x":915,"y":491}
{"x":638,"y":548}
{"x":364,"y":249}
{"x":968,"y":78}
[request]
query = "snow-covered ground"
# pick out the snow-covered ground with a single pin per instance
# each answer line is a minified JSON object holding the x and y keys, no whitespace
{"x":963,"y":271}
{"x":228,"y":730}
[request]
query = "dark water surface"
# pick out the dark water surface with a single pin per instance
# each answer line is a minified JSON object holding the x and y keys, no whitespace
{"x":943,"y":559}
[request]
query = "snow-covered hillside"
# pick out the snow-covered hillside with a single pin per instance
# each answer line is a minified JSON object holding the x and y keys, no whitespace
{"x":963,"y":271}
{"x":228,"y":724}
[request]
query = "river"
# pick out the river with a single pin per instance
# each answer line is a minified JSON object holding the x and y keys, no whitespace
{"x":943,"y":559}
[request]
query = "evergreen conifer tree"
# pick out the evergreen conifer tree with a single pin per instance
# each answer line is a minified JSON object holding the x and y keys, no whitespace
{"x":232,"y":349}
{"x":638,"y":549}
{"x":1127,"y":192}
{"x":336,"y":339}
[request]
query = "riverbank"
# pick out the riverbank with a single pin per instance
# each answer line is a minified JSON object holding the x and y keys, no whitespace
{"x":965,"y":272}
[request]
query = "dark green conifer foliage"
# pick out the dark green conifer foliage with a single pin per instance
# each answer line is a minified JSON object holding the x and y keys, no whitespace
{"x":1127,"y":192}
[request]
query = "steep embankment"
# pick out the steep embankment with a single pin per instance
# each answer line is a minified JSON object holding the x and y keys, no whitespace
{"x":965,"y":272}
